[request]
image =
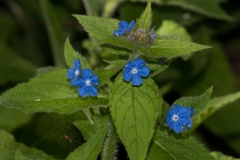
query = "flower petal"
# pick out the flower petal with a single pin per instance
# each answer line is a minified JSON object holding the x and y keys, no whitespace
{"x":73,"y":82}
{"x":177,"y":128}
{"x":86,"y":73}
{"x":144,"y":71}
{"x":153,"y":35}
{"x":71,"y":73}
{"x":138,"y":62}
{"x":93,"y":91}
{"x":191,"y":110}
{"x":83,"y":91}
{"x":122,"y":24}
{"x":131,"y":25}
{"x":80,"y":82}
{"x":127,"y":76}
{"x":77,"y":65}
{"x":119,"y":32}
{"x":136,"y":80}
{"x":94,"y":80}
{"x":189,"y":125}
{"x":183,"y":112}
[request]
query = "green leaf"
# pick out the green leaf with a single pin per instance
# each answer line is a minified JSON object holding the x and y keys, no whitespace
{"x":163,"y":115}
{"x":170,"y":48}
{"x":101,"y":29}
{"x":70,"y":55}
{"x":13,"y":68}
{"x":212,"y":106}
{"x":170,"y":27}
{"x":145,"y":19}
{"x":104,"y":75}
{"x":110,"y":145}
{"x":11,"y":119}
{"x":221,"y":156}
{"x":156,"y":68}
{"x":48,"y":93}
{"x":197,"y":102}
{"x":98,"y":28}
{"x":134,"y":111}
{"x":84,"y":125}
{"x":54,"y":31}
{"x":170,"y":147}
{"x":116,"y":50}
{"x":209,"y":8}
{"x":90,"y":149}
{"x":8,"y":148}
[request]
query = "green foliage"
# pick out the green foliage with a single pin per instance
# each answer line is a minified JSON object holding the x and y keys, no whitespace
{"x":220,"y":156}
{"x":70,"y":55}
{"x":13,"y":68}
{"x":166,"y":146}
{"x":134,"y":111}
{"x":212,"y":106}
{"x":90,"y":149}
{"x":110,"y":145}
{"x":208,"y":8}
{"x":11,"y":150}
{"x":11,"y":119}
{"x":48,"y":93}
{"x":54,"y":31}
{"x":172,"y":28}
{"x":134,"y":116}
{"x":198,"y":102}
{"x":145,"y":19}
{"x":170,"y":48}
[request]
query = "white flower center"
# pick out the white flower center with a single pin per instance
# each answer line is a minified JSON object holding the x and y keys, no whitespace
{"x":175,"y":117}
{"x":76,"y":73}
{"x":88,"y":82}
{"x":134,"y":71}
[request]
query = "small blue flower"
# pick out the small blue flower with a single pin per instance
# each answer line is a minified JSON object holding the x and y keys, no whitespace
{"x":87,"y":84}
{"x":179,"y":117}
{"x":75,"y":72}
{"x":153,"y":35}
{"x":123,"y":28}
{"x":135,"y":71}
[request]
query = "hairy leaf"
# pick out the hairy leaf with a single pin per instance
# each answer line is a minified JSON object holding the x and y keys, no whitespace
{"x":70,"y":55}
{"x":170,"y":48}
{"x":110,"y":145}
{"x":170,"y":147}
{"x":145,"y":19}
{"x":134,"y":111}
{"x":48,"y":93}
{"x":212,"y":106}
{"x":197,"y":102}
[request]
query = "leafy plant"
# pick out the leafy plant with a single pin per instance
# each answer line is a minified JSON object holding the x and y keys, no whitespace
{"x":119,"y":103}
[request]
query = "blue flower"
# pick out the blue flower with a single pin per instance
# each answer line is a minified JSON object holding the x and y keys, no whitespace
{"x":75,"y":72}
{"x":135,"y":71}
{"x":179,"y":117}
{"x":153,"y":35}
{"x":123,"y":28}
{"x":87,"y":84}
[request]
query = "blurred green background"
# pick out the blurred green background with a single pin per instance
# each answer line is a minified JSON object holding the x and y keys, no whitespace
{"x":32,"y":36}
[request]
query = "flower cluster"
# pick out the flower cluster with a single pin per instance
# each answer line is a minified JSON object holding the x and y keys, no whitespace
{"x":135,"y":71}
{"x":83,"y":79}
{"x":179,"y":117}
{"x":123,"y":28}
